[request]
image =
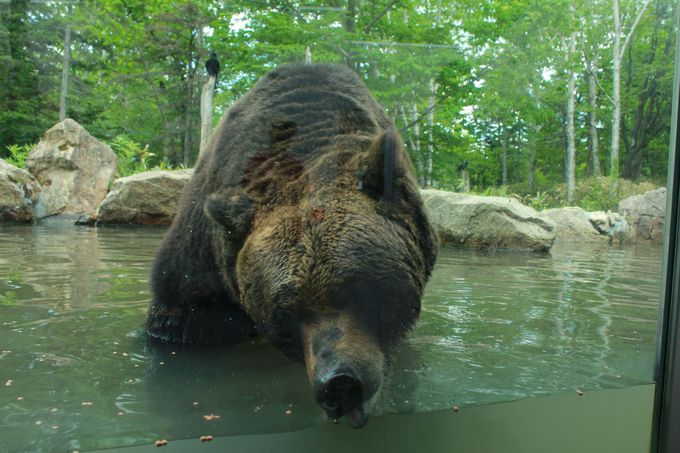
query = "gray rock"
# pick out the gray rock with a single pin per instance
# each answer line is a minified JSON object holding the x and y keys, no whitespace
{"x":645,"y":213}
{"x":610,"y":224}
{"x":74,"y":169}
{"x":19,"y":193}
{"x":599,"y":220}
{"x":619,"y":230}
{"x":574,"y":225}
{"x":487,"y":222}
{"x":148,"y":198}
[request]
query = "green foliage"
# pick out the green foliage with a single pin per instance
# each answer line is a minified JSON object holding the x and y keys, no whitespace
{"x":8,"y":299}
{"x":495,"y":191}
{"x":132,"y":157}
{"x":18,"y":154}
{"x":592,"y":194}
{"x":499,"y":68}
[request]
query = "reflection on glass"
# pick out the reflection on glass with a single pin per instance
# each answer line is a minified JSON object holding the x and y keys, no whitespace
{"x":496,"y":98}
{"x":495,"y":327}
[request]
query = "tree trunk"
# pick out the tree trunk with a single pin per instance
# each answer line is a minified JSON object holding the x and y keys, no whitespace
{"x":570,"y":168}
{"x":189,"y":102}
{"x":504,"y":156}
{"x":430,"y":135}
{"x":350,"y":16}
{"x":531,"y":171}
{"x":595,"y":169}
{"x":618,"y":51}
{"x":652,"y":102}
{"x":206,"y":112}
{"x":65,"y":67}
{"x":616,"y":94}
{"x":416,"y":141}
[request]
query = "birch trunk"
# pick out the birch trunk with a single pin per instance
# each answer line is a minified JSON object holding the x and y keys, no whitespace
{"x":206,"y":112}
{"x":570,"y":167}
{"x":594,"y":138}
{"x":416,"y":142}
{"x":616,"y":94}
{"x":618,"y":51}
{"x":430,"y":135}
{"x":65,"y":68}
{"x":504,"y":156}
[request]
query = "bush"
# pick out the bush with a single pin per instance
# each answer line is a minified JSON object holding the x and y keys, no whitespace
{"x":132,"y":158}
{"x":591,"y":194}
{"x":18,"y":154}
{"x":596,"y":194}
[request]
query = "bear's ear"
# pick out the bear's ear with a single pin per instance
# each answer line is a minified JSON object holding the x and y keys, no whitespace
{"x":386,"y":175}
{"x":231,"y":209}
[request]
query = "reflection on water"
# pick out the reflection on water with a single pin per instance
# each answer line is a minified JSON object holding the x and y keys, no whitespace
{"x":75,"y":372}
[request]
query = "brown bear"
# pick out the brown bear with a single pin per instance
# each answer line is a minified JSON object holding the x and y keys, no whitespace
{"x":302,"y":223}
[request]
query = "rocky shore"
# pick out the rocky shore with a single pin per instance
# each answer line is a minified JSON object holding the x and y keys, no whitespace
{"x":71,"y":177}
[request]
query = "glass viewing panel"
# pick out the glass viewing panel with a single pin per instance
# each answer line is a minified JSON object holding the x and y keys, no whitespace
{"x":540,"y":316}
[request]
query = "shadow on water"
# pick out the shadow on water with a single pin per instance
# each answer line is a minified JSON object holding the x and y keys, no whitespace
{"x":76,"y":373}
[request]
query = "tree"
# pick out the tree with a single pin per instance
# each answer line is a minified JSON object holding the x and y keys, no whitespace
{"x":619,"y":50}
{"x":65,"y":67}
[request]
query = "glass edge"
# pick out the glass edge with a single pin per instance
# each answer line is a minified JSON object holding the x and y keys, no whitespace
{"x":666,"y":373}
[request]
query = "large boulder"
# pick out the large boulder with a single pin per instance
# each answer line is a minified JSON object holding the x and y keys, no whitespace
{"x":611,"y":224}
{"x":487,"y":222}
{"x":148,"y":198}
{"x":574,"y":225}
{"x":19,"y":192}
{"x":74,"y":169}
{"x":645,"y":213}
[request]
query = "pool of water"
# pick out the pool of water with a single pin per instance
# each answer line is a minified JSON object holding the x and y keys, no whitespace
{"x":76,"y":372}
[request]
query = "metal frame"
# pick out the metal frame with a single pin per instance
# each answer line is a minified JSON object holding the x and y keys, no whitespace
{"x":665,"y":439}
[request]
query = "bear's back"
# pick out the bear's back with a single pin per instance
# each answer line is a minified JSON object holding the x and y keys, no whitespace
{"x":314,"y":104}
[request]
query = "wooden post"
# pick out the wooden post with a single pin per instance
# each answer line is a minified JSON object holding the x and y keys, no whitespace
{"x":206,"y":112}
{"x":465,"y":187}
{"x":308,"y":56}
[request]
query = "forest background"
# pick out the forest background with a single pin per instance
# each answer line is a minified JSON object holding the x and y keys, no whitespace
{"x":560,"y":101}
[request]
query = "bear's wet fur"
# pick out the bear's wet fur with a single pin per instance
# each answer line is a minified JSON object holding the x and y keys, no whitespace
{"x":302,"y":223}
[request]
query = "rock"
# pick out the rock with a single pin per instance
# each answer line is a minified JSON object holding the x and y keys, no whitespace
{"x":19,"y":192}
{"x":599,"y":220}
{"x":74,"y":169}
{"x":610,"y":224}
{"x":148,"y":198}
{"x":619,"y":230}
{"x":487,"y":222}
{"x":645,"y":213}
{"x":573,"y":225}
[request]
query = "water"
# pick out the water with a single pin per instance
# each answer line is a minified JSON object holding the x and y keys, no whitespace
{"x":75,"y":371}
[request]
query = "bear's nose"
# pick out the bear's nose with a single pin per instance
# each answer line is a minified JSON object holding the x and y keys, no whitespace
{"x":339,"y":393}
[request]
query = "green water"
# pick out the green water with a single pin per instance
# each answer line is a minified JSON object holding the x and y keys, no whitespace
{"x":75,"y":371}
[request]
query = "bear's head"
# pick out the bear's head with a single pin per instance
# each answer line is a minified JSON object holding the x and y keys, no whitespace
{"x":334,"y":276}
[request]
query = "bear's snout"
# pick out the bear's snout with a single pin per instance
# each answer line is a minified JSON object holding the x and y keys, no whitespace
{"x":345,"y":368}
{"x":340,"y":394}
